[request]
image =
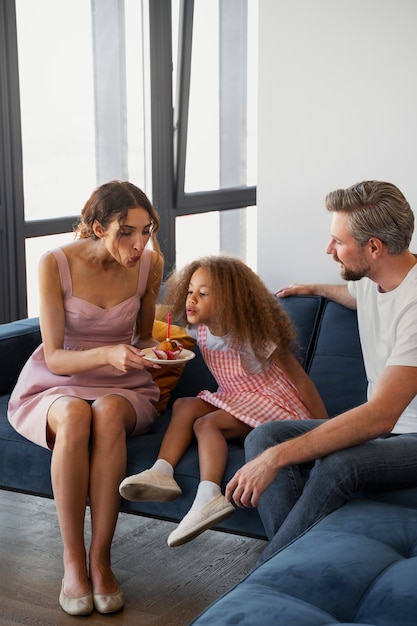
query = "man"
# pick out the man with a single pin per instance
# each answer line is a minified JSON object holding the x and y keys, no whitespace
{"x":373,"y":445}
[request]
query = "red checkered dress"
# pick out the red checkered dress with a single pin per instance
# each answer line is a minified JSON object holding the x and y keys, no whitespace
{"x":251,"y":398}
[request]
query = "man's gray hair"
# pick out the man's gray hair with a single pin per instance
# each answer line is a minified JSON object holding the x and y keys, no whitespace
{"x":376,"y":209}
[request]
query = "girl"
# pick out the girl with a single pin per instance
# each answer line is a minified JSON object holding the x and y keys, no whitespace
{"x":246,"y":339}
{"x":86,"y":387}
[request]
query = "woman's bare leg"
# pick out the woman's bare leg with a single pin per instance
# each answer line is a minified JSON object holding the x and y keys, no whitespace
{"x":69,"y":422}
{"x":113,"y":417}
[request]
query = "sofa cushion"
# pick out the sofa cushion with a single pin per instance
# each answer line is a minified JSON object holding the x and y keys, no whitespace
{"x":358,"y":566}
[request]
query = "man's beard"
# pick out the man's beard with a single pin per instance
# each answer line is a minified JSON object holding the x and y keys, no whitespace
{"x":350,"y":274}
{"x":347,"y":274}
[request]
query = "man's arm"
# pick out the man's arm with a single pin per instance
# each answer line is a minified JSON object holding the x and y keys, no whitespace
{"x":393,"y":392}
{"x":338,"y":293}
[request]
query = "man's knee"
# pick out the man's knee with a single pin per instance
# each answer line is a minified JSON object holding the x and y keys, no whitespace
{"x":271,"y":433}
{"x":261,"y":438}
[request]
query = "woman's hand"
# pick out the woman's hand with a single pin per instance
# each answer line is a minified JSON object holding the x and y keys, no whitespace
{"x":125,"y":357}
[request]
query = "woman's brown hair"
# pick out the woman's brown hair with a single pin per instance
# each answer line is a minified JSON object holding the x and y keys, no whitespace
{"x":111,"y":201}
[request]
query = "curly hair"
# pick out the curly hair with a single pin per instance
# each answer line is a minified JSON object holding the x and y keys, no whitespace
{"x":242,"y":304}
{"x":111,"y":201}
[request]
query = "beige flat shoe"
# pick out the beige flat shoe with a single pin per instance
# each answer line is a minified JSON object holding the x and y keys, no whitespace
{"x":150,"y":487}
{"x":197,"y":521}
{"x":109,"y":602}
{"x":76,"y":606}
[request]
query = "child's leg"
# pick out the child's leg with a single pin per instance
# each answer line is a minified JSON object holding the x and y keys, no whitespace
{"x":210,"y":506}
{"x":157,"y":483}
{"x":212,"y":432}
{"x":179,"y":434}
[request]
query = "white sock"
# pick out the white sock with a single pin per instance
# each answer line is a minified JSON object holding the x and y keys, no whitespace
{"x":162,"y":467}
{"x":206,"y":491}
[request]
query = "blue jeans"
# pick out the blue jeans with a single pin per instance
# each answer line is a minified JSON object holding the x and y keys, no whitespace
{"x":292,"y":503}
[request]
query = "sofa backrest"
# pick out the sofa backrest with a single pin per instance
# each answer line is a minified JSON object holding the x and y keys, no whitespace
{"x":305,"y":313}
{"x":330,"y":350}
{"x":328,"y":346}
{"x":17,"y":342}
{"x":336,"y":364}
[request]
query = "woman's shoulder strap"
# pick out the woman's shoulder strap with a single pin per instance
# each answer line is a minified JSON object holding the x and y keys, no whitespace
{"x":64,"y":271}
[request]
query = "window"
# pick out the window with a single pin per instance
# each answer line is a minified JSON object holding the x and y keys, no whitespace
{"x":222,"y":106}
{"x":216,"y":129}
{"x":57,"y":105}
{"x":215,"y":232}
{"x":82,"y":86}
{"x":161,"y":93}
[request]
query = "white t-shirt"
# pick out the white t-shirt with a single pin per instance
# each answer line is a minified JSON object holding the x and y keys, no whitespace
{"x":388,"y":333}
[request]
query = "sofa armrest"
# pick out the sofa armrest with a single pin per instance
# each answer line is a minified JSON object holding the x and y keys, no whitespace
{"x":17,"y":342}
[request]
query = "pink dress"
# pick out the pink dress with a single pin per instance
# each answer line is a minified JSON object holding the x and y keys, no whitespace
{"x":251,"y":398}
{"x":86,"y":326}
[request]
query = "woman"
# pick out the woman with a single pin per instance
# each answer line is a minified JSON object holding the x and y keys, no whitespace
{"x":87,"y":387}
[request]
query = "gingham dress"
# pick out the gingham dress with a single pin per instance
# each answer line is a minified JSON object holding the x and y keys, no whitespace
{"x":251,"y":398}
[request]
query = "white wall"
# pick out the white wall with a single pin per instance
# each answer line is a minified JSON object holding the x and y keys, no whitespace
{"x":337,"y":104}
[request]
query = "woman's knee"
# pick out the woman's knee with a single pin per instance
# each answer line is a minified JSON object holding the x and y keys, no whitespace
{"x":70,"y":418}
{"x":113,"y":415}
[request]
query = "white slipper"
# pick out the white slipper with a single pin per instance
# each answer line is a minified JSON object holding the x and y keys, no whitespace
{"x":197,"y":521}
{"x":150,"y":486}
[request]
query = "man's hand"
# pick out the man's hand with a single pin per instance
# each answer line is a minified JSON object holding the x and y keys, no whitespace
{"x":251,"y":480}
{"x":295,"y":290}
{"x":338,"y":293}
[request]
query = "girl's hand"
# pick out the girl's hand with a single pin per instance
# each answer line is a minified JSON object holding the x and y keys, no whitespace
{"x":125,"y":357}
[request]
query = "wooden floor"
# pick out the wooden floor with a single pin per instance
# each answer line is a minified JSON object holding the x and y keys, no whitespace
{"x":163,"y":586}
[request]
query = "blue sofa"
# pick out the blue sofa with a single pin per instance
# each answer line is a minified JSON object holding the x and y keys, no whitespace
{"x":332,"y":357}
{"x":355,"y":566}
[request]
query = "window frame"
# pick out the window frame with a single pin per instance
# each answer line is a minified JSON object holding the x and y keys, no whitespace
{"x":197,"y":202}
{"x":12,"y":233}
{"x":168,"y":147}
